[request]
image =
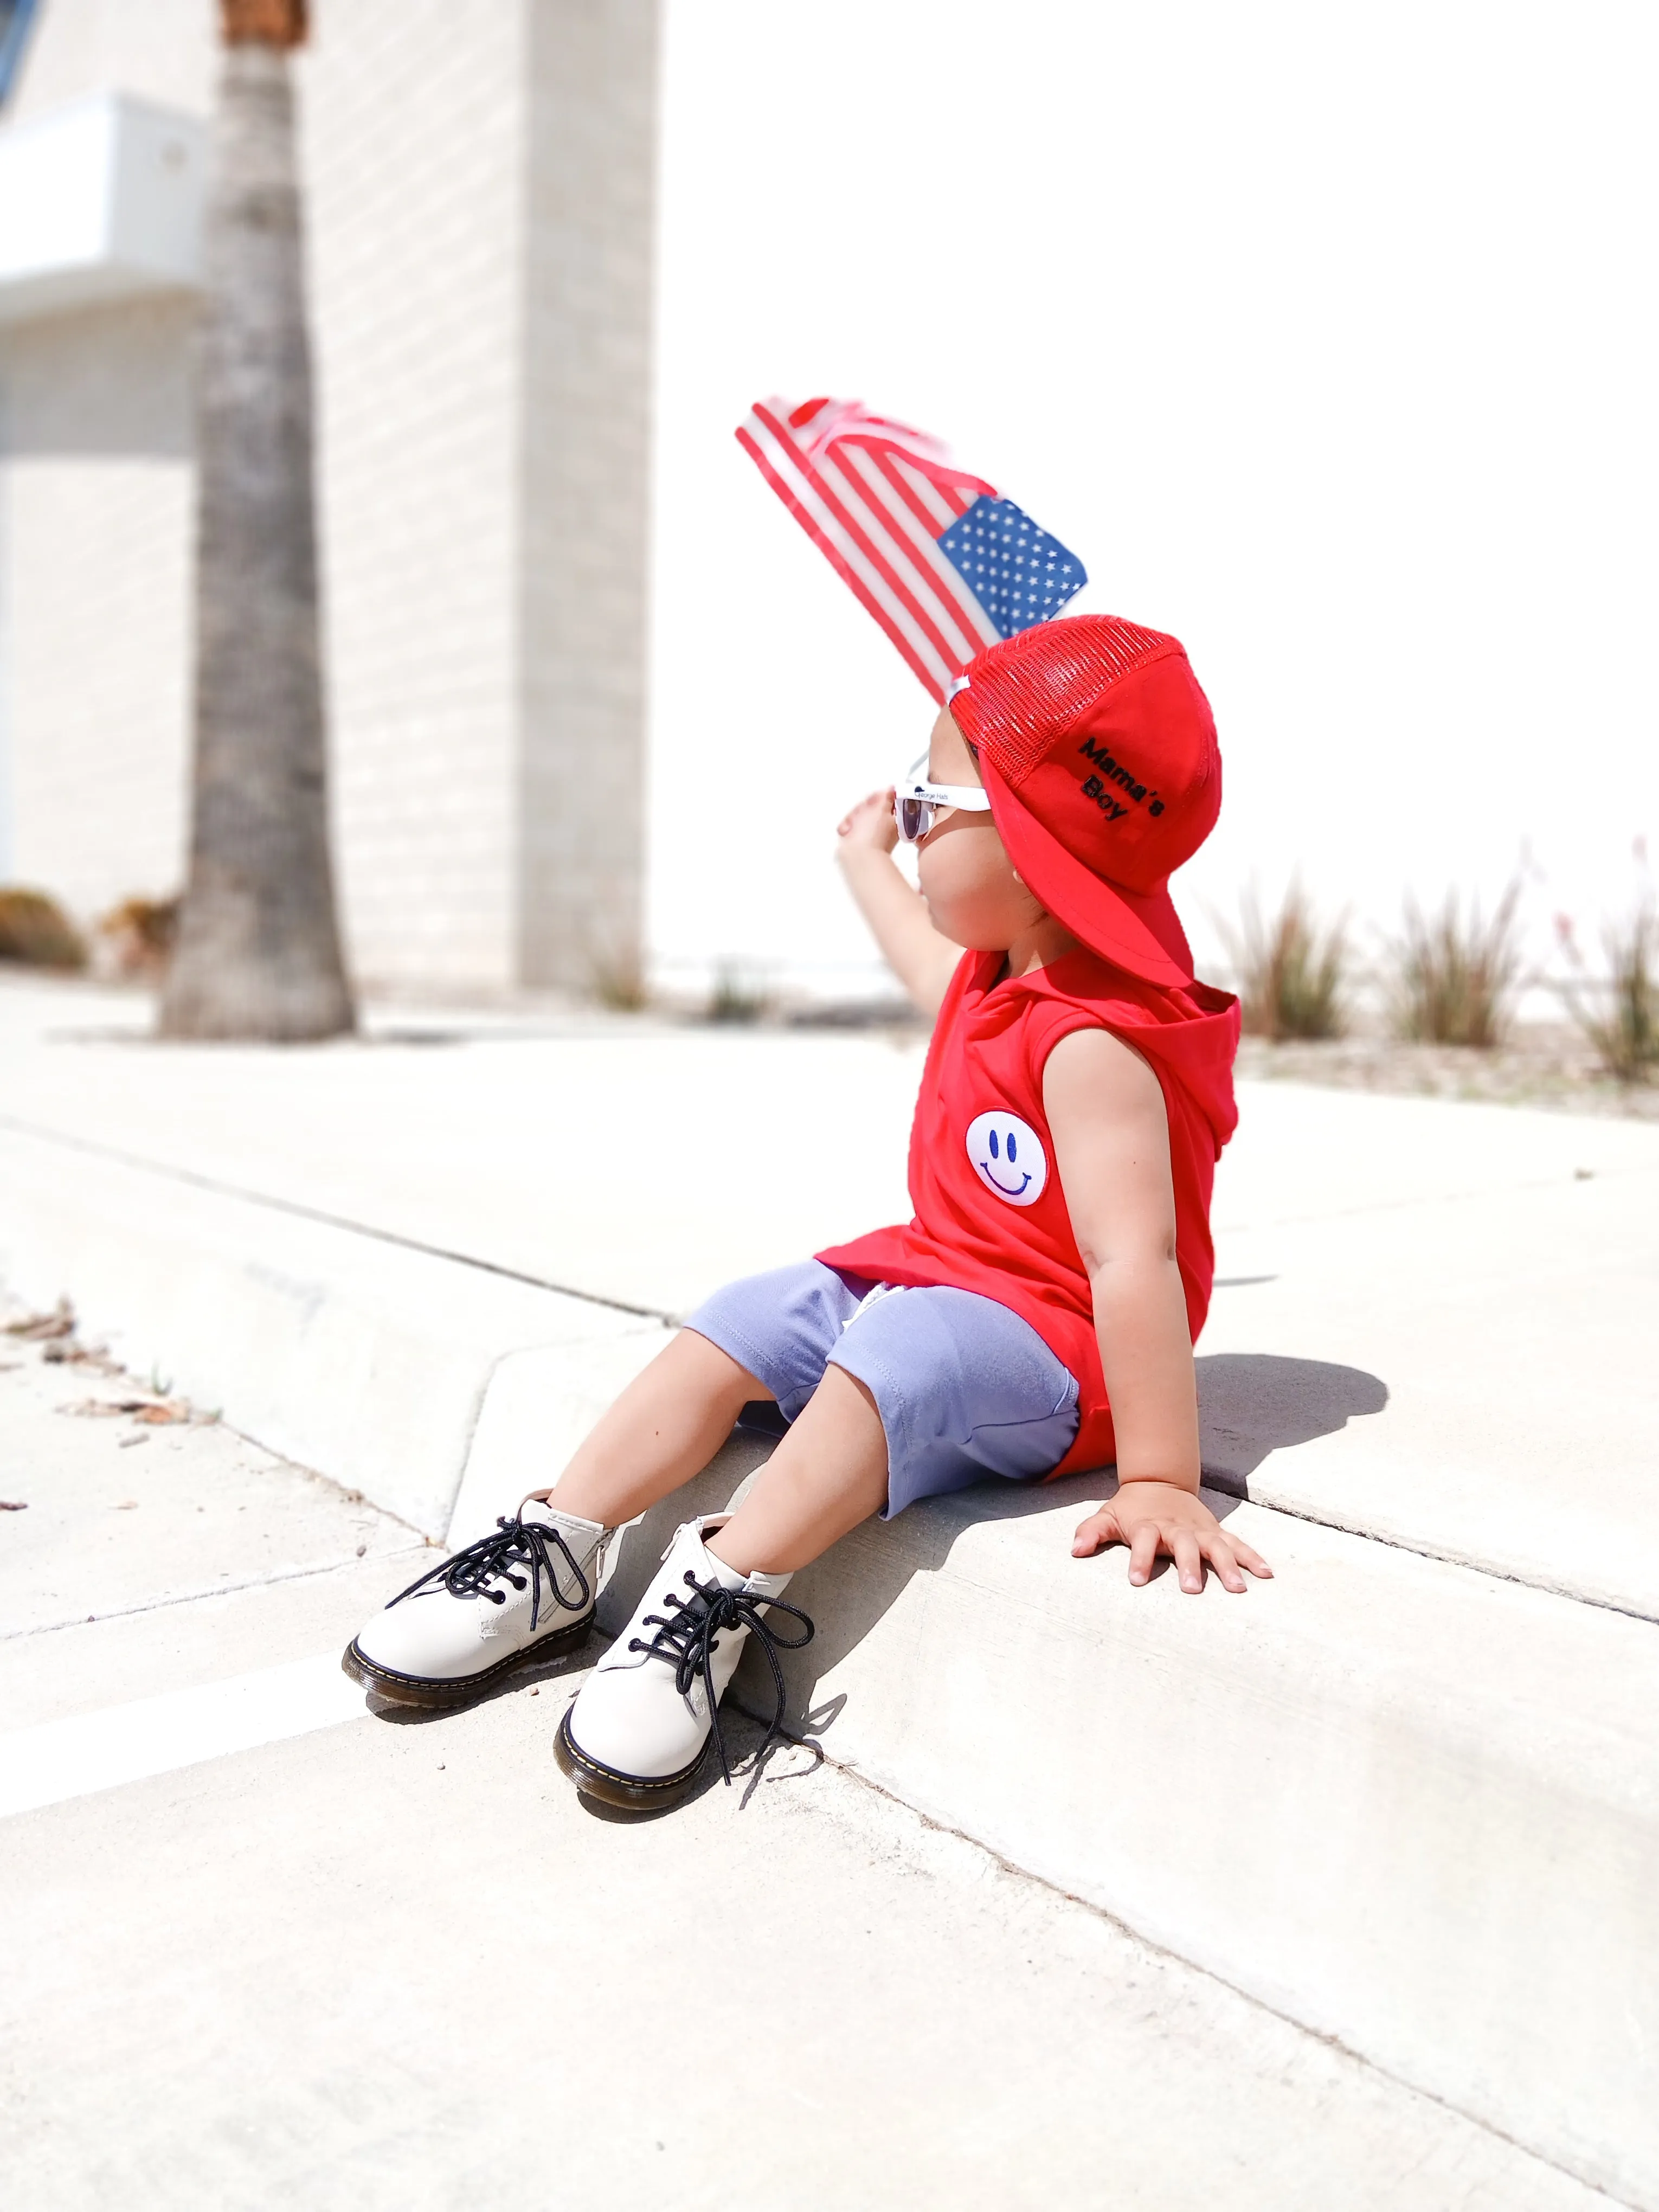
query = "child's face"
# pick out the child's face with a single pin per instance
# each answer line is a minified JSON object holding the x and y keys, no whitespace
{"x":973,"y":897}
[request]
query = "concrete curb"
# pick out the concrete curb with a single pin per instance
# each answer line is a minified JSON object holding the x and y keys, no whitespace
{"x":363,"y":1359}
{"x":538,"y":1407}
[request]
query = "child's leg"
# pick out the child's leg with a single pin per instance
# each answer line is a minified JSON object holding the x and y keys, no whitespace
{"x":827,"y":1474}
{"x":915,"y":1392}
{"x":643,"y":1724}
{"x":767,"y":1336}
{"x":925,"y":1391}
{"x":667,"y":1426}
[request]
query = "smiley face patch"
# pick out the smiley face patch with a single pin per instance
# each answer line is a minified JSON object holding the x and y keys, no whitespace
{"x":1006,"y":1154}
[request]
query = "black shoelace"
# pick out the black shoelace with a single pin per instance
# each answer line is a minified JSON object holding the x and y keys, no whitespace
{"x":515,"y":1544}
{"x":689,"y":1640}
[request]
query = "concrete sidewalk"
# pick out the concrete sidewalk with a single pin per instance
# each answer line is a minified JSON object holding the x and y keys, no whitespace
{"x":1406,"y":1794}
{"x":263,"y":1948}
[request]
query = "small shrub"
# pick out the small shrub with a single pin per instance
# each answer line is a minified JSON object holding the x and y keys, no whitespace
{"x":138,"y":936}
{"x":739,"y":994}
{"x":1456,"y":975}
{"x":1621,"y":1017}
{"x":36,"y":933}
{"x":619,"y":983}
{"x":1290,"y":973}
{"x":615,"y":968}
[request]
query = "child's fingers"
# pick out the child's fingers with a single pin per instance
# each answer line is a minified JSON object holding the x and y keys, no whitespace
{"x":1095,"y":1534}
{"x":1220,"y":1553}
{"x":1143,"y":1552}
{"x":1189,"y":1559}
{"x":1252,"y":1560}
{"x":877,"y":803}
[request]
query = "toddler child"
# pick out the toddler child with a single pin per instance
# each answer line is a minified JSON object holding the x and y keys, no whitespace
{"x":1036,"y":1315}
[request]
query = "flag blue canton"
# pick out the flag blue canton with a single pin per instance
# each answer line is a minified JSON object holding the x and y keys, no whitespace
{"x":1018,"y":572}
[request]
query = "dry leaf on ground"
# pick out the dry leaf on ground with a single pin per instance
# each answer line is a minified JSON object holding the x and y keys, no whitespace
{"x":37,"y":1328}
{"x":154,"y":1412}
{"x":67,"y":1353}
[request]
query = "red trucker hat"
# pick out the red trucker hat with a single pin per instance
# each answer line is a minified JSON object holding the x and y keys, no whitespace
{"x":1098,"y":752}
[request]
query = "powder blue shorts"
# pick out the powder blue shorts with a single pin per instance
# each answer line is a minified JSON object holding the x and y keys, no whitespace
{"x":964,"y":1387}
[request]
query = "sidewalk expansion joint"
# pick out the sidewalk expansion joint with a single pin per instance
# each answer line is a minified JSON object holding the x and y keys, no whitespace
{"x":1420,"y":1550}
{"x":1013,"y":1867}
{"x":301,"y":1212}
{"x":1267,"y":1224}
{"x":211,"y":1590}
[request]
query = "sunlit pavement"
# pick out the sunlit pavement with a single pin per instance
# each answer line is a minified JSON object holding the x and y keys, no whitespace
{"x":1473,"y":1284}
{"x":263,"y":1943}
{"x":265,"y":1946}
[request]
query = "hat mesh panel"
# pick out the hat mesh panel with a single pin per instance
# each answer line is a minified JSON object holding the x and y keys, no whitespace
{"x":1047,"y":680}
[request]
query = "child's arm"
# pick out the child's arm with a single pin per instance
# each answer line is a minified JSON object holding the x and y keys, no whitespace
{"x":923,"y":961}
{"x":1111,"y":1135}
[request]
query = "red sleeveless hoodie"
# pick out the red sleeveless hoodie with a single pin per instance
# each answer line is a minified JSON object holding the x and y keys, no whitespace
{"x":990,"y":1215}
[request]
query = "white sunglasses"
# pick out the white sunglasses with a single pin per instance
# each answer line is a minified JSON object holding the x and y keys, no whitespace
{"x":917,"y":803}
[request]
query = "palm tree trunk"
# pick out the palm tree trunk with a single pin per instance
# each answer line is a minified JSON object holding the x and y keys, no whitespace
{"x":258,"y":952}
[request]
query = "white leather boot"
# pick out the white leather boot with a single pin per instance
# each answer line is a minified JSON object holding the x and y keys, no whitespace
{"x":522,"y":1594}
{"x":640,"y":1731}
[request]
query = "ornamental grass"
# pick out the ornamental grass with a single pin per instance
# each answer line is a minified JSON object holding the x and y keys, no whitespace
{"x":1292,"y":971}
{"x":1455,"y":973}
{"x":1620,"y":1014}
{"x":739,"y":995}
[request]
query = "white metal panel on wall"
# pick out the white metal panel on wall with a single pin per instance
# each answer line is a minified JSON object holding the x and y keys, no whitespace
{"x":100,"y":200}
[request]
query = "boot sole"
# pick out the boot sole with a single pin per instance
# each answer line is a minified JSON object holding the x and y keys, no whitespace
{"x":633,"y":1793}
{"x":436,"y":1691}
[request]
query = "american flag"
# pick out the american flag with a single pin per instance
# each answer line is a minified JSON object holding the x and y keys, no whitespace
{"x":943,"y":562}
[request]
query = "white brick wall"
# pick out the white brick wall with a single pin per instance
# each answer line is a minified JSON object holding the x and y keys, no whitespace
{"x":95,"y":577}
{"x":587,"y":352}
{"x":411,"y":150}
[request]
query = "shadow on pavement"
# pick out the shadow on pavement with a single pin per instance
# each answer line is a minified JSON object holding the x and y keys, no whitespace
{"x":754,"y":1762}
{"x":1252,"y":1403}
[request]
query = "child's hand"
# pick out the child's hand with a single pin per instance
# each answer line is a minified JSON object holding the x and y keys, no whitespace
{"x":918,"y":954}
{"x":1154,"y":1518}
{"x":871,"y":824}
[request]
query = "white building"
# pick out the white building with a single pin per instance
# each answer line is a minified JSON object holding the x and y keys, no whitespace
{"x":480,"y":190}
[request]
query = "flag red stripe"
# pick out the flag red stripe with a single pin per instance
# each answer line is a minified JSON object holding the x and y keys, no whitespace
{"x":929,"y":677}
{"x":905,"y":474}
{"x":955,"y":492}
{"x":948,"y":649}
{"x":921,"y":532}
{"x":940,"y":586}
{"x":907,"y":493}
{"x":946,"y":588}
